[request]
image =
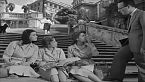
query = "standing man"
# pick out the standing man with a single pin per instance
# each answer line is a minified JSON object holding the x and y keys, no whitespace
{"x":136,"y":46}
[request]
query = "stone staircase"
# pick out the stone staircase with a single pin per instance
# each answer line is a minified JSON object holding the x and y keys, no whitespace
{"x":106,"y":51}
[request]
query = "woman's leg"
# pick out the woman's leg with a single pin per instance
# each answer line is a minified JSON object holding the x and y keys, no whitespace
{"x":54,"y":78}
{"x":62,"y":76}
{"x":91,"y":77}
{"x":81,"y":78}
{"x":94,"y":78}
{"x":54,"y":75}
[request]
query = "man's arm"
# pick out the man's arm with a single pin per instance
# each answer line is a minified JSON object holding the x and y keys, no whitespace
{"x":142,"y":22}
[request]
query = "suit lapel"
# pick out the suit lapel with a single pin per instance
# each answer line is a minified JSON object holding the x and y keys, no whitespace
{"x":132,"y":19}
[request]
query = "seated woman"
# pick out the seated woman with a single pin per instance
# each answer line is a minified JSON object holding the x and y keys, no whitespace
{"x":49,"y":56}
{"x":20,"y":54}
{"x":84,"y":49}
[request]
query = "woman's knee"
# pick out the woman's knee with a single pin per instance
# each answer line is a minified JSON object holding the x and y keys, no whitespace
{"x":54,"y":78}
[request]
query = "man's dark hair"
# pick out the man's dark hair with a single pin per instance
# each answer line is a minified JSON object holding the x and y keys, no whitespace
{"x":26,"y":35}
{"x":127,"y":2}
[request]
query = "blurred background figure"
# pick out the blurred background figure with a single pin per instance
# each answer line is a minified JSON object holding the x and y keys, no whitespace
{"x":3,"y":28}
{"x":46,"y":24}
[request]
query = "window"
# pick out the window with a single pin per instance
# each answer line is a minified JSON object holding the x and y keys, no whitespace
{"x":31,"y":7}
{"x":55,"y":6}
{"x":35,"y":5}
{"x":59,"y":7}
{"x":50,"y":4}
{"x":38,"y":9}
{"x":20,"y":22}
{"x":38,"y":4}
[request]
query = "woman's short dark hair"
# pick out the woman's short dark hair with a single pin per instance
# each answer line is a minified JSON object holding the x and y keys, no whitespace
{"x":26,"y":35}
{"x":46,"y":41}
{"x":76,"y":35}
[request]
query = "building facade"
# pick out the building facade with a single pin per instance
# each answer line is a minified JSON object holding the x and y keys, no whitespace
{"x":17,"y":18}
{"x":87,"y":9}
{"x":92,"y":9}
{"x":3,"y":5}
{"x":48,"y":7}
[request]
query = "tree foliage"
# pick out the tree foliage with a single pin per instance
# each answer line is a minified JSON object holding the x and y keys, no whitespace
{"x":10,"y":6}
{"x":113,"y":16}
{"x":112,"y":11}
{"x":64,"y":14}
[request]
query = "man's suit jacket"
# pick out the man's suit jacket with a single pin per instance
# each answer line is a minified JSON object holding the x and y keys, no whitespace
{"x":136,"y":30}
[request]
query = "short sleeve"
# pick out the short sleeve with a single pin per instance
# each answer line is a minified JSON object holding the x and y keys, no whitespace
{"x":70,"y":53}
{"x":9,"y":50}
{"x":94,"y":50}
{"x":62,"y":55}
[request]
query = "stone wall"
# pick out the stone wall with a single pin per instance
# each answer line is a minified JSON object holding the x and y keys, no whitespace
{"x":109,"y":35}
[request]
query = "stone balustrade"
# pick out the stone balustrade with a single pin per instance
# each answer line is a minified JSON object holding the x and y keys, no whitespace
{"x":9,"y":16}
{"x":109,"y":35}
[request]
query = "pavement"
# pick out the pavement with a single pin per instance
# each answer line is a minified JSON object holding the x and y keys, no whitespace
{"x":22,"y":79}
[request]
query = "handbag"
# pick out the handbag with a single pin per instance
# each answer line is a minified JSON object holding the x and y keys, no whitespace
{"x":124,"y":41}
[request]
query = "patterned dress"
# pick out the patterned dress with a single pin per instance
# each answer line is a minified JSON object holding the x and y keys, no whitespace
{"x":51,"y":57}
{"x":86,"y":64}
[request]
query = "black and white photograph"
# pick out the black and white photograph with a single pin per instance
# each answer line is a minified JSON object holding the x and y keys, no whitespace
{"x":72,"y":40}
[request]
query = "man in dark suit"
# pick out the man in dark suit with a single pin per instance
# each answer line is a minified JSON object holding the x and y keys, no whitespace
{"x":136,"y":46}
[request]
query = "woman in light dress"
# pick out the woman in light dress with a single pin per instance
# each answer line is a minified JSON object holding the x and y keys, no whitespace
{"x":20,"y":54}
{"x":84,"y":49}
{"x":49,"y":56}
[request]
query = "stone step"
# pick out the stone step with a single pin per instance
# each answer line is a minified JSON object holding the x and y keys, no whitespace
{"x":105,"y":59}
{"x":110,"y":63}
{"x":3,"y":46}
{"x":107,"y":53}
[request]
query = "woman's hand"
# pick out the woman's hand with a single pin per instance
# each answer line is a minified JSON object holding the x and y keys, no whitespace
{"x":88,"y":39}
{"x":42,"y":63}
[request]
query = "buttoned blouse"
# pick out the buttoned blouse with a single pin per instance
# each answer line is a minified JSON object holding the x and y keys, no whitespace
{"x":15,"y":49}
{"x":86,"y":53}
{"x":49,"y":56}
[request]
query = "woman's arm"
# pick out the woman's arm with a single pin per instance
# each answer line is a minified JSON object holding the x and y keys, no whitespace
{"x":70,"y":53}
{"x":9,"y":52}
{"x":62,"y":55}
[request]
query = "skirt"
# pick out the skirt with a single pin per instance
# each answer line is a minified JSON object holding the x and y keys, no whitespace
{"x":83,"y":70}
{"x":23,"y":71}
